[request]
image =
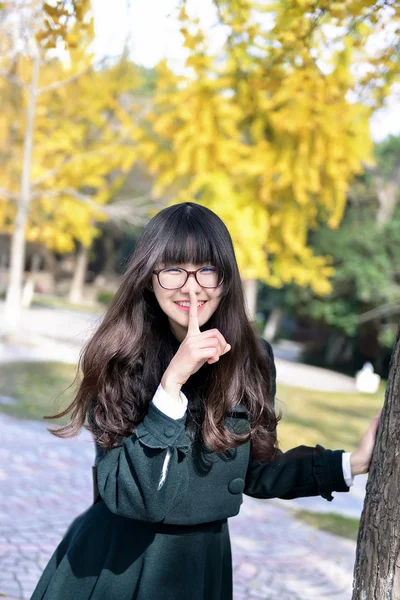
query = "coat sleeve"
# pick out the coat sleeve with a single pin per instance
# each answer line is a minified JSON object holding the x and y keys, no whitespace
{"x":128,"y":476}
{"x":302,"y":471}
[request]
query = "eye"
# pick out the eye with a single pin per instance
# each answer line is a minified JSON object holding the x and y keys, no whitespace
{"x":172,"y":270}
{"x":208,"y":270}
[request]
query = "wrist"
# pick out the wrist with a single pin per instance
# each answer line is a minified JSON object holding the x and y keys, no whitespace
{"x":357,"y":465}
{"x":171,"y":386}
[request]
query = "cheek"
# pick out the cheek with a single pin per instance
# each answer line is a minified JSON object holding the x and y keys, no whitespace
{"x":214,"y":302}
{"x":162,"y":299}
{"x":217,"y":297}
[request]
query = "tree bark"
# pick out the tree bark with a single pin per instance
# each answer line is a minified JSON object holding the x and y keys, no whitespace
{"x":78,"y":280}
{"x":377,"y":566}
{"x":17,"y":253}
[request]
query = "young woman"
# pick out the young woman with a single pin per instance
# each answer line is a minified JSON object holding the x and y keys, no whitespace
{"x":179,"y":393}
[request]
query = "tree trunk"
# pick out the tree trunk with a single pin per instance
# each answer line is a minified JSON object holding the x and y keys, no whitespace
{"x":250,"y":295}
{"x":110,"y":267}
{"x":387,"y":195}
{"x":272,"y":325}
{"x":29,"y":287}
{"x":78,"y":280}
{"x":17,"y":253}
{"x":377,"y":566}
{"x":334,"y":348}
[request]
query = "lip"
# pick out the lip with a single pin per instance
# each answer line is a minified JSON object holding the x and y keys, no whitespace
{"x":187,"y":308}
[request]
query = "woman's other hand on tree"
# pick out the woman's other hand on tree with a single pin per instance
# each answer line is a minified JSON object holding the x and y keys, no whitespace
{"x":360,"y":459}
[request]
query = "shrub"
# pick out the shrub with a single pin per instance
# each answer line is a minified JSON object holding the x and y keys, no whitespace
{"x":104,"y":296}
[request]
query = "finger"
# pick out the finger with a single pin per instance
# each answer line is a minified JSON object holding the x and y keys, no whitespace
{"x":375,"y":421}
{"x":211,"y":342}
{"x":216,"y":358}
{"x":193,"y":326}
{"x":206,"y":354}
{"x":213,"y":360}
{"x":215,"y":333}
{"x":373,"y":426}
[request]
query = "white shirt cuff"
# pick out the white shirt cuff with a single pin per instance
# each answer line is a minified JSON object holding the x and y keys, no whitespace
{"x":348,"y":477}
{"x":168,"y":405}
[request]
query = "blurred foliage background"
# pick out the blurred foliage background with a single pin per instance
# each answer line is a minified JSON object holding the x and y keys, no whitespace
{"x":271,"y":130}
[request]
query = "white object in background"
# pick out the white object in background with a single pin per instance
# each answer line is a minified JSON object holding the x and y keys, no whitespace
{"x":366,"y":380}
{"x":28,"y":292}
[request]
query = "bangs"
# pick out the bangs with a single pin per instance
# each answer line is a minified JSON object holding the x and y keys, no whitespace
{"x":190,"y":243}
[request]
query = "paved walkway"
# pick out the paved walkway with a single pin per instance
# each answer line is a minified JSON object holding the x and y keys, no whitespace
{"x":45,"y":482}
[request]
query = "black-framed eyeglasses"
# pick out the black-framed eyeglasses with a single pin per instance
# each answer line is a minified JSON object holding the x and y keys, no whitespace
{"x":173,"y":278}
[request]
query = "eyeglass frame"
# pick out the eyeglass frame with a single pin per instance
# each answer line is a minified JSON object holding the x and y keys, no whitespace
{"x":188,"y":273}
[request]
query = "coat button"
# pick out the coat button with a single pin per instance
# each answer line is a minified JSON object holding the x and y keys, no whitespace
{"x":169,"y":431}
{"x":236,"y":486}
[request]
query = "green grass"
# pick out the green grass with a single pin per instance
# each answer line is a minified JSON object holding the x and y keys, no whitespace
{"x":54,"y":302}
{"x":39,"y":388}
{"x":346,"y":527}
{"x":334,"y":420}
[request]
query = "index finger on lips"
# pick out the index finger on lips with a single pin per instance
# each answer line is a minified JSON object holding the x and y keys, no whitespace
{"x":193,"y":327}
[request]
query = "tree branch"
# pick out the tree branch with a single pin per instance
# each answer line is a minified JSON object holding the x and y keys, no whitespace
{"x":12,"y":78}
{"x":71,"y":78}
{"x":380,"y":311}
{"x":58,"y":84}
{"x":116,"y":212}
{"x":67,"y":161}
{"x":8,"y":195}
{"x":50,"y":173}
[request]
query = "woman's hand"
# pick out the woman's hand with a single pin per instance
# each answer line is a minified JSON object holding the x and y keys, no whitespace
{"x":360,"y":459}
{"x":196,"y":349}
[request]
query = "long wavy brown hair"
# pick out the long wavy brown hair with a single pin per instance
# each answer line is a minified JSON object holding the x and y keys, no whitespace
{"x":122,"y":364}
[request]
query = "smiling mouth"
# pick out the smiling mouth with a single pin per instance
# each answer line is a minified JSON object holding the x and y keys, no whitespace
{"x":184,"y":304}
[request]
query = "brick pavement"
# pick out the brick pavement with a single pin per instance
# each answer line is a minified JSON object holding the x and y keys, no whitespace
{"x":45,"y":482}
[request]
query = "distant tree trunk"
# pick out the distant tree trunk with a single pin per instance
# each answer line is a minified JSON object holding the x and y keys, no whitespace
{"x":17,"y":253}
{"x":110,"y":267}
{"x":334,"y":348}
{"x":377,"y":566}
{"x":250,"y":294}
{"x":29,"y":286}
{"x":272,"y":325}
{"x":78,"y":280}
{"x":387,"y":195}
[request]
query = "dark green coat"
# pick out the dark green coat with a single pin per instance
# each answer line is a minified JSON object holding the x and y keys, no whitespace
{"x":141,"y":542}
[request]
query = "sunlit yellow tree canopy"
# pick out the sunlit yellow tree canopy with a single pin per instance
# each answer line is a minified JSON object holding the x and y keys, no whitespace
{"x":82,"y":138}
{"x":269,"y":130}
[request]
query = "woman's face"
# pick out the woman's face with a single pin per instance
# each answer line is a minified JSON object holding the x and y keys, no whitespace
{"x":178,"y":315}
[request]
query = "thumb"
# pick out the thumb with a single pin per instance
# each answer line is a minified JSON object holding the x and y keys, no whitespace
{"x":376,"y":420}
{"x":373,"y":426}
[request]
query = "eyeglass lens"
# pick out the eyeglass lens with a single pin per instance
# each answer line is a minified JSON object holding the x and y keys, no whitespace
{"x":176,"y":278}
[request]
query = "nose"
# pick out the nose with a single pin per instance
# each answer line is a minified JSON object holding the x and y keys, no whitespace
{"x":191,"y":284}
